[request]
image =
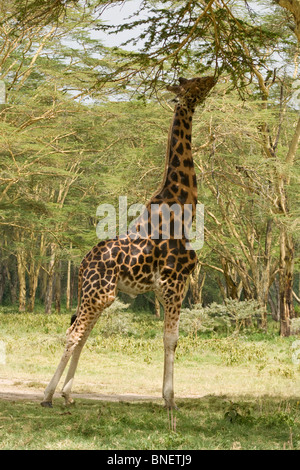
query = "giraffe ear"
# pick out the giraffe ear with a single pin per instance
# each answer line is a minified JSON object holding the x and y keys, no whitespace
{"x":182,"y":80}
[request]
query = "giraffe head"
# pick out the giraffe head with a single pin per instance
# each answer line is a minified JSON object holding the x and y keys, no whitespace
{"x":194,"y":91}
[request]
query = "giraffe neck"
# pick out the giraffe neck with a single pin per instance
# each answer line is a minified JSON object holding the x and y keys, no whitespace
{"x":179,"y":183}
{"x":179,"y":186}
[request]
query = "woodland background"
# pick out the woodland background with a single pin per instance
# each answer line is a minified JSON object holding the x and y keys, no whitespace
{"x":83,"y":123}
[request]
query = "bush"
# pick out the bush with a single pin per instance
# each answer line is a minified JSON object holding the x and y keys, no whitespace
{"x":232,"y":314}
{"x":295,"y":326}
{"x":195,"y":320}
{"x":115,"y":320}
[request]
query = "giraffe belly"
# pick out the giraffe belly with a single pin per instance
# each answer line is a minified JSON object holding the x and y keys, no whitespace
{"x":131,"y":286}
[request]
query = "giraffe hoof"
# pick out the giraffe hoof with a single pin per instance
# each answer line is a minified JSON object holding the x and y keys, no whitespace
{"x":47,"y":404}
{"x":172,"y":407}
{"x":68,"y":400}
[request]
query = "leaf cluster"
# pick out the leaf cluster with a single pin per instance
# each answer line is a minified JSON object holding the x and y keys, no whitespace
{"x":185,"y":36}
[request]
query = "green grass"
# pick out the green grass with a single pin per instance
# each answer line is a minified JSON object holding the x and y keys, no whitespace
{"x":204,"y":423}
{"x":233,"y":391}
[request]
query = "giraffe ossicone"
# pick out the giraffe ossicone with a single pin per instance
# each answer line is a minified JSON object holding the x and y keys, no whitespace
{"x":137,"y":264}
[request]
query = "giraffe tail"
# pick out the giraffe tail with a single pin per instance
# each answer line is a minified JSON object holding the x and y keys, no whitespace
{"x":80,"y":274}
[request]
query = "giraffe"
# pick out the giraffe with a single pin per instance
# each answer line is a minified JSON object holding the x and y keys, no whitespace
{"x":150,"y":257}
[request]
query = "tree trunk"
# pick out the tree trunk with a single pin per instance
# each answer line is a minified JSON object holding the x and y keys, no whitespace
{"x":58,"y":288}
{"x":286,"y":281}
{"x":43,"y":284}
{"x":233,"y":285}
{"x":264,"y":284}
{"x":11,"y":274}
{"x":222,"y":288}
{"x":22,"y":280}
{"x":274,"y":299}
{"x":33,"y":282}
{"x":34,"y":270}
{"x":2,"y":281}
{"x":49,"y":295}
{"x":196,"y":285}
{"x":294,"y":7}
{"x":286,"y":263}
{"x":49,"y":290}
{"x":68,"y":294}
{"x":74,"y":277}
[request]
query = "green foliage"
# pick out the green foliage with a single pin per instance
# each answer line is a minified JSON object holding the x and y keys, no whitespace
{"x":178,"y":37}
{"x":234,"y":352}
{"x":115,"y":321}
{"x":233,"y":314}
{"x":72,"y":136}
{"x":223,"y":423}
{"x":295,"y":326}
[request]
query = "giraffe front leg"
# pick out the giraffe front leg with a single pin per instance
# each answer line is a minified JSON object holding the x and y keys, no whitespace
{"x":172,"y":301}
{"x":50,"y":389}
{"x":73,"y":346}
{"x":80,"y":331}
{"x":170,"y":343}
{"x":66,"y":390}
{"x":82,"y":327}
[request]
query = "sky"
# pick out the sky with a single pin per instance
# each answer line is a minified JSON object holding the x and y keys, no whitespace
{"x":116,"y":15}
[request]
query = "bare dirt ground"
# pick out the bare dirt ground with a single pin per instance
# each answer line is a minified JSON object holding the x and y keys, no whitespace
{"x":13,"y":390}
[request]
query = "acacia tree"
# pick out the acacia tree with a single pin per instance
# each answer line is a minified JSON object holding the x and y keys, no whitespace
{"x":40,"y":153}
{"x":242,"y":46}
{"x":238,"y":43}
